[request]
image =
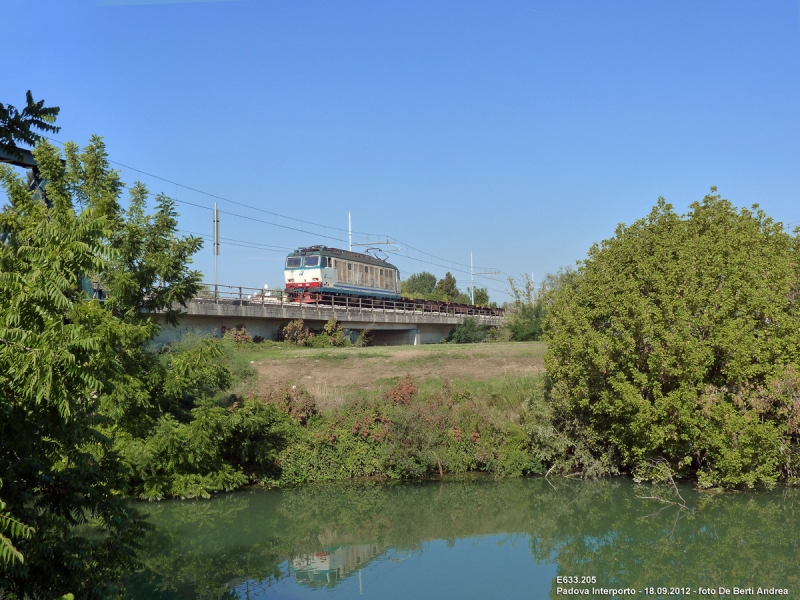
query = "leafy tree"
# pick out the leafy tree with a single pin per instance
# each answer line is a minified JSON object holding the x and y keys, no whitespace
{"x":677,"y":338}
{"x":59,"y":353}
{"x":481,"y":297}
{"x":469,"y":332}
{"x":418,"y":284}
{"x":18,"y":126}
{"x":447,"y":287}
{"x":526,"y":312}
{"x":461,"y":298}
{"x":75,"y":375}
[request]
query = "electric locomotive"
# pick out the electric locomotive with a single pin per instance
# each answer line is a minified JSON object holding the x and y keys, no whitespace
{"x":333,"y":271}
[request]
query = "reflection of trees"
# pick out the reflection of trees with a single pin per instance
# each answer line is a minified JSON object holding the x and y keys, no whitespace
{"x":724,"y":540}
{"x":201,"y":549}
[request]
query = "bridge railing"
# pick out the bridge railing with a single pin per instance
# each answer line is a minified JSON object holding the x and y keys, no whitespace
{"x":245,"y":296}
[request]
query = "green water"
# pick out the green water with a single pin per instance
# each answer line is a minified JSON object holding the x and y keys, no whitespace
{"x":472,"y":538}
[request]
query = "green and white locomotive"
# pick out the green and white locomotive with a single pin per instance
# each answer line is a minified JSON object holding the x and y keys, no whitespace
{"x":333,"y":271}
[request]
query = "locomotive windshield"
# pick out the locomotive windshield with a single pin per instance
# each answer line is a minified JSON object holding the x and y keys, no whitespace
{"x":312,"y":261}
{"x":293,"y":262}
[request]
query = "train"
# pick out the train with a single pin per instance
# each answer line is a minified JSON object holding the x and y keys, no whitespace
{"x":319,"y":269}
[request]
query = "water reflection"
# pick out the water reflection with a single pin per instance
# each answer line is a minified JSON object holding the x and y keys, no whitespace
{"x":326,"y":567}
{"x":460,"y":536}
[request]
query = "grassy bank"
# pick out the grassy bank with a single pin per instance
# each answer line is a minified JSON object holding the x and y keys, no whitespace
{"x":396,"y":412}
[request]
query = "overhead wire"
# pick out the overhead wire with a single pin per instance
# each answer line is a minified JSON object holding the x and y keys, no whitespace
{"x":442,"y":262}
{"x":336,"y":239}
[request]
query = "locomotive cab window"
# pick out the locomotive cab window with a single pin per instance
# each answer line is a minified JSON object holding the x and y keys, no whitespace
{"x":312,"y":261}
{"x":293,"y":262}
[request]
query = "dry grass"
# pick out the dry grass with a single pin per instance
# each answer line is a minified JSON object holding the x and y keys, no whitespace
{"x":333,"y":375}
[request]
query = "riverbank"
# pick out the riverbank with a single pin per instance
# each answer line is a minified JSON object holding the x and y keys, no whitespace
{"x":407,"y":412}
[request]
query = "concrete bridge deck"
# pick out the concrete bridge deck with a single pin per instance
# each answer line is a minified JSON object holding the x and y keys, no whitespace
{"x":389,"y":322}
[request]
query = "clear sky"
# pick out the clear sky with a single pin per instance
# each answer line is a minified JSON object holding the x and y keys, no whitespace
{"x":522,"y":131}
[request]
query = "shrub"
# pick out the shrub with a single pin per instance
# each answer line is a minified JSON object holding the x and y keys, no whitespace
{"x":363,"y":339}
{"x":332,"y":336}
{"x":334,"y":332}
{"x":677,"y":338}
{"x":294,"y":401}
{"x":403,"y":391}
{"x":296,"y":333}
{"x":412,"y":432}
{"x":238,"y":334}
{"x":468,"y":332}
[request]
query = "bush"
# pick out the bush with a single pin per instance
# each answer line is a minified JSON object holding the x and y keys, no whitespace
{"x":415,"y":430}
{"x":526,"y":312}
{"x":403,"y":391}
{"x":334,"y":332}
{"x":469,"y":332}
{"x":677,"y":338}
{"x":296,"y":333}
{"x":363,"y":339}
{"x":332,"y":336}
{"x":239,"y":334}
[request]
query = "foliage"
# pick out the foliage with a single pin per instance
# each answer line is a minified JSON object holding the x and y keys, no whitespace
{"x":11,"y":528}
{"x":404,"y":391}
{"x":61,"y":355}
{"x":408,"y":431}
{"x":149,"y":270}
{"x":239,"y":335}
{"x":481,"y":296}
{"x":418,"y":285}
{"x":214,"y":450}
{"x":79,"y":389}
{"x":296,"y":332}
{"x":423,"y":286}
{"x":363,"y":338}
{"x":332,"y":336}
{"x":526,"y":312}
{"x":470,"y":331}
{"x":447,"y":287}
{"x":293,"y":401}
{"x":18,"y":126}
{"x":677,"y":338}
{"x":461,"y":298}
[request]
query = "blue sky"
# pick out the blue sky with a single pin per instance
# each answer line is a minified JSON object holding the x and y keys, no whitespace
{"x":523,"y":131}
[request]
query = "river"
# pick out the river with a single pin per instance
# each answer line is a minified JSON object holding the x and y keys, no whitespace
{"x":473,"y":537}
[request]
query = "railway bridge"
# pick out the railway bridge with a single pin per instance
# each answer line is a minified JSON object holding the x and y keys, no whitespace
{"x":265,"y":312}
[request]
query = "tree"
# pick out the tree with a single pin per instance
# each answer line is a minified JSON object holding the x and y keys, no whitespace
{"x":527,"y":310}
{"x":59,"y":470}
{"x":16,"y":126}
{"x":524,"y":315}
{"x":74,"y":371}
{"x":419,"y":284}
{"x":677,"y":338}
{"x":447,"y":287}
{"x":481,"y":296}
{"x":468,"y":332}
